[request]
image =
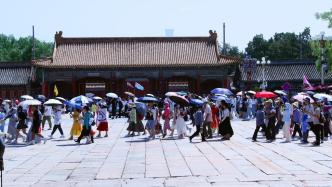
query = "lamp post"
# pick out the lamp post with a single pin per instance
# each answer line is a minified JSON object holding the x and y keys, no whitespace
{"x":323,"y":59}
{"x":263,"y":63}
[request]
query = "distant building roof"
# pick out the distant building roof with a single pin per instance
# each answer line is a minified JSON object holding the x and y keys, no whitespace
{"x":135,"y":52}
{"x":15,"y":73}
{"x":285,"y":71}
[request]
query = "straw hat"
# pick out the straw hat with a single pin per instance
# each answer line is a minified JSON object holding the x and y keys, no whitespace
{"x":269,"y":101}
{"x":296,"y":104}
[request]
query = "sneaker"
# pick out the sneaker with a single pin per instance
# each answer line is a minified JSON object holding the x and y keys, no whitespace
{"x":51,"y":136}
{"x":106,"y":136}
{"x":98,"y":136}
{"x":62,"y":136}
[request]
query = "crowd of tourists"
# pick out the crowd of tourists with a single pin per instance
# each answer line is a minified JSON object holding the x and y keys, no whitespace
{"x":181,"y":114}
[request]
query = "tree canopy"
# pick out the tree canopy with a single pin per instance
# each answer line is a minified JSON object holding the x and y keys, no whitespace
{"x":326,"y":16}
{"x":13,"y":49}
{"x":282,"y":46}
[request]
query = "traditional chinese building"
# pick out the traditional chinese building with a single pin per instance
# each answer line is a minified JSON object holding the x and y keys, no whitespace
{"x":277,"y":73}
{"x":15,"y":79}
{"x":159,"y":64}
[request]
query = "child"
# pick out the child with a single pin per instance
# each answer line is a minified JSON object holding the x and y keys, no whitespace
{"x":198,"y":122}
{"x":102,"y":120}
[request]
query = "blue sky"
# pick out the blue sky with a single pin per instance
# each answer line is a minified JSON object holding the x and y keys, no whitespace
{"x":243,"y":18}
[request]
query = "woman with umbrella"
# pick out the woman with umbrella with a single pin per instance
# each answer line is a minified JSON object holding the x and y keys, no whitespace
{"x":12,"y":116}
{"x":57,"y":121}
{"x":225,"y":128}
{"x":181,"y":127}
{"x":166,"y":115}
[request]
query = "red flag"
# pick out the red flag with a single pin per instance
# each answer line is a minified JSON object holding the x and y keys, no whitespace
{"x":130,"y":85}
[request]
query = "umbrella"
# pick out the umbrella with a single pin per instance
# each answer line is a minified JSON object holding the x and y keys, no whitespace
{"x":41,"y":97}
{"x":53,"y":102}
{"x":7,"y":101}
{"x":89,"y":94}
{"x":150,"y":95}
{"x":310,"y":92}
{"x":239,"y":93}
{"x":26,"y":97}
{"x":97,"y":98}
{"x":130,"y":94}
{"x":196,"y":102}
{"x":61,"y":99}
{"x":321,"y":96}
{"x":30,"y":102}
{"x":73,"y":105}
{"x":300,"y":97}
{"x":147,"y":99}
{"x":251,"y":92}
{"x":168,"y":94}
{"x":265,"y":94}
{"x":221,"y":98}
{"x":224,"y":91}
{"x":80,"y":99}
{"x":140,"y":108}
{"x":280,"y":92}
{"x":182,"y":93}
{"x":112,"y":95}
{"x":178,"y":99}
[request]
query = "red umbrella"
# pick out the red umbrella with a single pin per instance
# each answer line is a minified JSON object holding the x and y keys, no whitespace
{"x":265,"y":94}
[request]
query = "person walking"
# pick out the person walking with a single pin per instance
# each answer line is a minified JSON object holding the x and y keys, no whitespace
{"x":225,"y":127}
{"x":315,"y":115}
{"x":47,"y":117}
{"x":207,"y":115}
{"x":259,"y":122}
{"x":151,"y":117}
{"x":11,"y":130}
{"x":86,"y":130}
{"x":296,"y":120}
{"x":21,"y":126}
{"x":77,"y":126}
{"x":270,"y":116}
{"x":102,"y":124}
{"x":35,"y":129}
{"x":198,"y":122}
{"x":166,"y":115}
{"x":132,"y":120}
{"x":57,"y":122}
{"x":286,"y":112}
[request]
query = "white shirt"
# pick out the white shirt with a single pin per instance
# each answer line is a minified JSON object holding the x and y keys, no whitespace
{"x":286,"y":114}
{"x":207,"y":113}
{"x":57,"y":117}
{"x":48,"y":111}
{"x":225,"y":114}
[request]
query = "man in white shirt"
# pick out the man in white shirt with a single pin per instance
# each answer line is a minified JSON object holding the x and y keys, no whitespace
{"x":47,"y":117}
{"x":207,"y":116}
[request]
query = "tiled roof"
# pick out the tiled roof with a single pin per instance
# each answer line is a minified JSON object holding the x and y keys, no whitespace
{"x":135,"y":52}
{"x":14,"y":76}
{"x":285,"y":72}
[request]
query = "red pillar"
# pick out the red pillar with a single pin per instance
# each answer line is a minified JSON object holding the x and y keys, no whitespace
{"x":45,"y":89}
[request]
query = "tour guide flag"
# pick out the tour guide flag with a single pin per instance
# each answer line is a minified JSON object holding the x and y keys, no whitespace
{"x":306,"y":82}
{"x":56,"y":92}
{"x":130,"y":85}
{"x":138,"y":86}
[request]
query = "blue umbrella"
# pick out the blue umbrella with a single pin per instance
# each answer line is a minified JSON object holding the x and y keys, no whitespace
{"x":224,"y":91}
{"x":196,"y":102}
{"x":140,"y":108}
{"x":182,"y":93}
{"x":81,"y":100}
{"x":147,"y":99}
{"x":73,"y":105}
{"x":220,"y":98}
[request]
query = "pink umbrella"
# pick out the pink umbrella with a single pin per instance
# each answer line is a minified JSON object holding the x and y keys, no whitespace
{"x":265,"y":94}
{"x":301,"y":97}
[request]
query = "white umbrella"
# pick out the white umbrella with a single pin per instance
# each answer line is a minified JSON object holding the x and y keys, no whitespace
{"x":322,"y":96}
{"x":169,"y":94}
{"x":61,"y":99}
{"x":7,"y":101}
{"x":252,"y":92}
{"x":130,"y":94}
{"x":53,"y":102}
{"x":150,"y":95}
{"x":27,"y":97}
{"x":280,"y":92}
{"x":30,"y":102}
{"x":97,"y":98}
{"x":112,"y":95}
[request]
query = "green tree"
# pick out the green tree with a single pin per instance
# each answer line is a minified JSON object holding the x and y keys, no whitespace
{"x":282,"y":46}
{"x":326,"y":16}
{"x":12,"y":49}
{"x":231,"y":51}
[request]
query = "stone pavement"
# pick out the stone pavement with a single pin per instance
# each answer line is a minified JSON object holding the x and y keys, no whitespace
{"x":134,"y":161}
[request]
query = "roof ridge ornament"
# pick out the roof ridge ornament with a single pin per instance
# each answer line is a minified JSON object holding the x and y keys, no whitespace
{"x":58,"y":37}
